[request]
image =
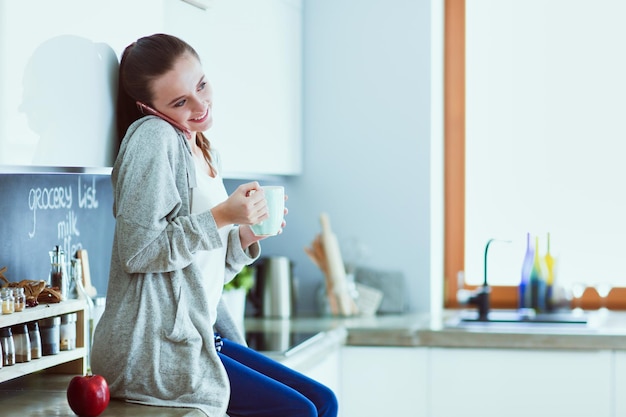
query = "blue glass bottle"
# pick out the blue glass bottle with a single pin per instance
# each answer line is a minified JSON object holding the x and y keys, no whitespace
{"x":524,"y":285}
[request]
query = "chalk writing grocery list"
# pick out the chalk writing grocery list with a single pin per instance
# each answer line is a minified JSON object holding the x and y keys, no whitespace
{"x":40,"y":211}
{"x":60,"y":198}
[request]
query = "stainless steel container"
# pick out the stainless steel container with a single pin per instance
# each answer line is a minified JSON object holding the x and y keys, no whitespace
{"x":50,"y":329}
{"x":274,"y":292}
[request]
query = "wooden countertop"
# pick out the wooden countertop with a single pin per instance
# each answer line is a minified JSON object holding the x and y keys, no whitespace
{"x":43,"y":394}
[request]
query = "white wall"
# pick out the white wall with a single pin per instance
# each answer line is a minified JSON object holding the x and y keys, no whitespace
{"x":372,"y":141}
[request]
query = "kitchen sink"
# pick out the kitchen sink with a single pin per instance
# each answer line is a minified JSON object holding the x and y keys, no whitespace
{"x":509,"y":318}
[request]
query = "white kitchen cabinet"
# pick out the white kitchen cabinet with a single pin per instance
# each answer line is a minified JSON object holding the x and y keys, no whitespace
{"x":509,"y":382}
{"x":619,"y":358}
{"x":188,"y":22}
{"x":384,"y":381}
{"x":58,"y":72}
{"x":326,"y":371}
{"x":251,"y":51}
{"x":252,"y":54}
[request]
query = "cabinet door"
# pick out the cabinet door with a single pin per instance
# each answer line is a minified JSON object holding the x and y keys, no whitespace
{"x":384,"y":381}
{"x":253,"y":59}
{"x":620,"y":383}
{"x":512,"y":383}
{"x":189,"y":23}
{"x":326,"y":371}
{"x":58,"y":72}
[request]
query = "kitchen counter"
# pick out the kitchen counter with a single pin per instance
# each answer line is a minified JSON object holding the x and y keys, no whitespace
{"x":603,"y":331}
{"x":43,"y":394}
{"x":46,"y":393}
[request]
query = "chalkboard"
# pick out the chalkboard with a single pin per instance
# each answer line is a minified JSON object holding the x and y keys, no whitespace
{"x":42,"y":210}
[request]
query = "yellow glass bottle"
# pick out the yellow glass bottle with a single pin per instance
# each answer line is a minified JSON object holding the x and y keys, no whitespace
{"x":549,"y":262}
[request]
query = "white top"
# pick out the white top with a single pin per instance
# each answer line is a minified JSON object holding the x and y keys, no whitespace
{"x":209,"y":193}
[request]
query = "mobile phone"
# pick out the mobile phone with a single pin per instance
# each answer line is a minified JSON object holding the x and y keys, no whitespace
{"x":144,"y":108}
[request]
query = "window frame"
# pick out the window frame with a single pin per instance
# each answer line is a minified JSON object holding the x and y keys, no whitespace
{"x":454,"y":175}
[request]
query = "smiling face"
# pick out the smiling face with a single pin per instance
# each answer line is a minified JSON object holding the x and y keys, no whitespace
{"x":184,"y":94}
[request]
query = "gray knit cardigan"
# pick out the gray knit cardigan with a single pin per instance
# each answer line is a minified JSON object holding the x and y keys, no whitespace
{"x":154,"y":343}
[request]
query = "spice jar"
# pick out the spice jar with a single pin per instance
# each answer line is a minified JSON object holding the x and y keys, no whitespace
{"x":8,"y":301}
{"x":50,"y":335}
{"x":68,"y":331}
{"x":8,"y":348}
{"x":35,"y":340}
{"x":22,"y":343}
{"x":20,"y":299}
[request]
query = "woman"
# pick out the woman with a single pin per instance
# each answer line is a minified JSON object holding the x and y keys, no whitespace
{"x":178,"y":238}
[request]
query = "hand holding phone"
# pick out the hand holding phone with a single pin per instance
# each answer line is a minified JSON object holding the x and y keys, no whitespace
{"x":144,"y":108}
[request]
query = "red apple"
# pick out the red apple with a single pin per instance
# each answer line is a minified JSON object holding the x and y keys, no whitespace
{"x":88,"y":395}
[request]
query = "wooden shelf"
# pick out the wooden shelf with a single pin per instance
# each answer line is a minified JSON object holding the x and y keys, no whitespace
{"x":42,"y":311}
{"x":65,"y":358}
{"x":70,"y":361}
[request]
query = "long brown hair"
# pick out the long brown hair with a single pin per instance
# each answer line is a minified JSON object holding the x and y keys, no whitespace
{"x":143,"y":61}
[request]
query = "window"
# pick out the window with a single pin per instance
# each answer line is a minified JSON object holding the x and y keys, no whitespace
{"x":534,"y":141}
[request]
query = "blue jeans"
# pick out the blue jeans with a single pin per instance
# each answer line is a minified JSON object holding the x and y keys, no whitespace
{"x":261,"y":386}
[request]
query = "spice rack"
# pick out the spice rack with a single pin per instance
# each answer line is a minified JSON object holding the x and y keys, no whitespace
{"x":65,"y":362}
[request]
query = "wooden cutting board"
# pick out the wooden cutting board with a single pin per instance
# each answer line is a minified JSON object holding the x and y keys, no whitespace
{"x":336,"y":268}
{"x":84,"y":263}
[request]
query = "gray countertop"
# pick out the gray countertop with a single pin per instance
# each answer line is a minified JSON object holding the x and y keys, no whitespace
{"x":603,"y":331}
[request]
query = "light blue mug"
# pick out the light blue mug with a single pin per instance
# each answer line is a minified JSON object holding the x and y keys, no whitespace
{"x":275,"y":198}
